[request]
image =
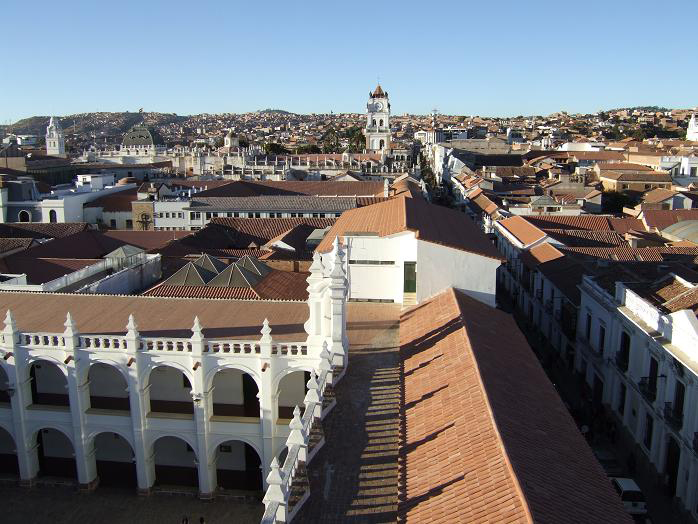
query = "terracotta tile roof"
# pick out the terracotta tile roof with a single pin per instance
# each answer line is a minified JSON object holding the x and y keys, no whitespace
{"x":639,"y":254}
{"x":485,"y":437}
{"x":230,"y":293}
{"x":277,"y":285}
{"x":116,"y":202}
{"x":156,"y":316}
{"x":42,"y":270}
{"x":658,"y":195}
{"x":86,"y":244}
{"x":540,"y":254}
{"x":281,"y":203}
{"x":592,"y":222}
{"x":625,"y":166}
{"x":661,"y":219}
{"x":598,"y":155}
{"x":522,"y":229}
{"x":586,"y":238}
{"x":245,"y":188}
{"x":41,"y":230}
{"x":246,"y":231}
{"x":11,"y":244}
{"x":624,"y":225}
{"x":148,"y":240}
{"x":431,"y":223}
{"x":648,"y":176}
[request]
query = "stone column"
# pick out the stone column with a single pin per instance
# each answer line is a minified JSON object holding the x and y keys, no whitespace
{"x":79,"y":394}
{"x":338,"y":292}
{"x":19,"y":386}
{"x":206,"y":462}
{"x":268,"y":400}
{"x":313,"y":326}
{"x":139,"y":402}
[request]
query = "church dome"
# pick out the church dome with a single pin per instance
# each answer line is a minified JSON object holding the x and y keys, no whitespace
{"x":140,"y":136}
{"x":378,"y":92}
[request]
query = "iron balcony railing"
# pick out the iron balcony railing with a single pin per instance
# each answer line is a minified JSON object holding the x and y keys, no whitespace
{"x":648,"y":390}
{"x":673,"y":416}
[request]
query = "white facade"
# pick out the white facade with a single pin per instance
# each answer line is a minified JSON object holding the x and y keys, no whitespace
{"x":377,"y":129}
{"x":692,"y":130}
{"x":378,"y":267}
{"x":644,"y":361}
{"x":120,"y":385}
{"x":55,"y":142}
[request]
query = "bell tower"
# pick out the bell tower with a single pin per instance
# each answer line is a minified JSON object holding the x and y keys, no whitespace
{"x":55,"y":143}
{"x":692,"y":131}
{"x":377,"y":131}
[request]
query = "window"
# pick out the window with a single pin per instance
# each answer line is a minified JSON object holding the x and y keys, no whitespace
{"x":52,"y":216}
{"x":602,"y":338}
{"x":373,"y":262}
{"x":621,"y":399}
{"x":112,"y":223}
{"x":167,"y":215}
{"x":24,"y":216}
{"x":257,"y":215}
{"x":649,"y":428}
{"x":129,"y":224}
{"x":180,"y":215}
{"x":623,"y":356}
{"x":208,"y":216}
{"x":587,"y":333}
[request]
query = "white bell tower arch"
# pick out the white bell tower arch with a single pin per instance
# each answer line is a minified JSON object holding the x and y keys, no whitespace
{"x":377,"y":130}
{"x":55,"y":142}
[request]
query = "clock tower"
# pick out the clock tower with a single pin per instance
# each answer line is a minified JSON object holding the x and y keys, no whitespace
{"x":377,"y":130}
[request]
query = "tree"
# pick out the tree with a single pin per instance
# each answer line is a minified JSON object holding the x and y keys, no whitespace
{"x":330,"y":142}
{"x":272,"y":148}
{"x":306,"y":149}
{"x":356,"y":138}
{"x":615,"y":201}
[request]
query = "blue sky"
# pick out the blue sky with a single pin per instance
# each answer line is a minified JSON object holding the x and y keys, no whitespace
{"x":463,"y":57}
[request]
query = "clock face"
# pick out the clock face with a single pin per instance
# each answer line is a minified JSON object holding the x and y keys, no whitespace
{"x":379,"y":106}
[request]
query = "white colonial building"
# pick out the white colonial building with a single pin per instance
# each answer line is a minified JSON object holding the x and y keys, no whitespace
{"x":638,"y":352}
{"x":157,"y":392}
{"x":55,"y":142}
{"x":377,"y":129}
{"x":405,"y":250}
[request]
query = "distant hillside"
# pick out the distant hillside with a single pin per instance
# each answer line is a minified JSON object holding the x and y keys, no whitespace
{"x":97,"y":123}
{"x":276,"y":111}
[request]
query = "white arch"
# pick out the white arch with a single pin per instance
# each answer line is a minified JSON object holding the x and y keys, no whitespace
{"x":38,"y":426}
{"x":10,"y":430}
{"x":111,"y":363}
{"x":168,"y":363}
{"x":33,"y":359}
{"x":281,"y":374}
{"x":155,"y":437}
{"x":97,"y":432}
{"x":208,"y":383}
{"x":222,"y":439}
{"x":24,"y":216}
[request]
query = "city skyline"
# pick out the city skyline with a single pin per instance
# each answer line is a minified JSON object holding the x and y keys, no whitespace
{"x":520,"y":60}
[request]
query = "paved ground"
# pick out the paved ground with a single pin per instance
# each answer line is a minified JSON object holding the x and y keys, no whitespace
{"x":354,"y":478}
{"x":104,"y":505}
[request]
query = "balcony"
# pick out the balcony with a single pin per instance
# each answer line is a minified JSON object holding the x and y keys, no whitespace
{"x":647,"y":389}
{"x":621,"y":361}
{"x":673,"y":417}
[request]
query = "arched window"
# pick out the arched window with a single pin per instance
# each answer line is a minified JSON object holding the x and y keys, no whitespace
{"x":373,"y":122}
{"x":382,"y":144}
{"x":52,"y":217}
{"x":381,"y":123}
{"x":24,"y":216}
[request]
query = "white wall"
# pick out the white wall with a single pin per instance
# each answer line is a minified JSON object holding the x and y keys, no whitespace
{"x":107,"y":381}
{"x":292,"y":390}
{"x":166,"y":383}
{"x":440,"y":267}
{"x":227,"y":387}
{"x":373,"y":281}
